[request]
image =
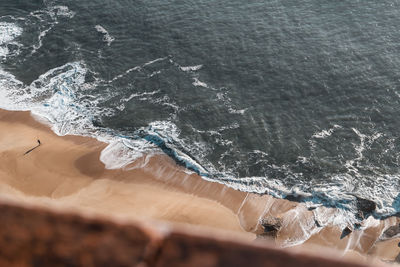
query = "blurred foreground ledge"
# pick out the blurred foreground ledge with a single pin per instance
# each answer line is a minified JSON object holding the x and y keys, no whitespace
{"x":38,"y":236}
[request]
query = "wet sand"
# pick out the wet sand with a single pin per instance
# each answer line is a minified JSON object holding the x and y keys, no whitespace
{"x":65,"y":172}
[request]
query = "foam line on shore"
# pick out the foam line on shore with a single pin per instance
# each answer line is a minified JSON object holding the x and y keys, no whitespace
{"x":66,"y":172}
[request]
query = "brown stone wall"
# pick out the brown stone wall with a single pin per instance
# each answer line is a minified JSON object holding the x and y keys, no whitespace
{"x":39,"y":237}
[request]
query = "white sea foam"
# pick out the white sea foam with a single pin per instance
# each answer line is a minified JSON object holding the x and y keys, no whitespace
{"x":62,"y":11}
{"x":135,"y":95}
{"x":137,"y":68}
{"x":328,"y":216}
{"x":154,"y":61}
{"x":8,"y":82}
{"x":48,"y":18}
{"x":107,"y":38}
{"x":237,"y":111}
{"x":3,"y":51}
{"x":8,"y":85}
{"x":122,"y":152}
{"x":365,"y":142}
{"x":154,"y":73}
{"x":300,"y":225}
{"x":223,"y":96}
{"x":326,"y":133}
{"x":165,"y":129}
{"x":8,"y":33}
{"x":56,"y":96}
{"x":41,"y":36}
{"x":191,"y":68}
{"x":59,"y":102}
{"x":197,"y":82}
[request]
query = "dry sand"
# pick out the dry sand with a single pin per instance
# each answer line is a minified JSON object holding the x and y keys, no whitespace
{"x":65,"y":172}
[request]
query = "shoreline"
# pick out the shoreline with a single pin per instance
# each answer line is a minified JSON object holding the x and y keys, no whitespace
{"x":65,"y":171}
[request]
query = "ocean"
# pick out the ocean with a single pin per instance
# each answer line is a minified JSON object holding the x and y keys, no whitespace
{"x":299,"y":100}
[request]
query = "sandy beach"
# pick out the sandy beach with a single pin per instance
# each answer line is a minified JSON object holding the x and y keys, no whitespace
{"x":65,"y":172}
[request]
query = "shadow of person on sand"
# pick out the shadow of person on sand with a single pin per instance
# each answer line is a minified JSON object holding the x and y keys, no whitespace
{"x":30,"y":150}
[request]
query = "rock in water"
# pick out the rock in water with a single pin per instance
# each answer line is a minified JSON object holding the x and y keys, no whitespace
{"x":346,"y":231}
{"x":390,"y":232}
{"x":365,"y":207}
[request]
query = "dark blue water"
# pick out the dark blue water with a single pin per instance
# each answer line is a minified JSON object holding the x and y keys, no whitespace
{"x":294,"y":99}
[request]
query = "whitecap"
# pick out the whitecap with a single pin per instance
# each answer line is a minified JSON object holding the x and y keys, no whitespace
{"x":191,"y":68}
{"x":62,"y":11}
{"x":197,"y":82}
{"x":326,"y":133}
{"x":134,"y":95}
{"x":107,"y":38}
{"x":137,"y":68}
{"x":155,"y":61}
{"x":8,"y":33}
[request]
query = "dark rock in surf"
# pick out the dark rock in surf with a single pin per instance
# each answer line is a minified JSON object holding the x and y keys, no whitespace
{"x":365,"y":207}
{"x":295,"y":198}
{"x":390,"y":232}
{"x":346,"y":231}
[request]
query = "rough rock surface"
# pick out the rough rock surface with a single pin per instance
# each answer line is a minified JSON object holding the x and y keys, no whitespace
{"x":365,"y":207}
{"x":32,"y":236}
{"x":346,"y":231}
{"x":271,"y":226}
{"x":391,"y":232}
